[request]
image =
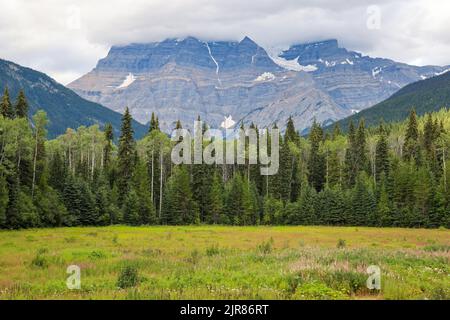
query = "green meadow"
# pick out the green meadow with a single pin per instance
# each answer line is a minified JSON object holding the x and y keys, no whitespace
{"x":217,"y":262}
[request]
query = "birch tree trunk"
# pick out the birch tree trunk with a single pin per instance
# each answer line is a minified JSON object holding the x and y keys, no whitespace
{"x":160,"y":183}
{"x":34,"y":163}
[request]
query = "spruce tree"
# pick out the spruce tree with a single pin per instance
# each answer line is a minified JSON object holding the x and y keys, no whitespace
{"x":180,"y":207}
{"x":291,"y":134}
{"x":131,"y":209}
{"x":384,"y":214}
{"x":57,"y":172}
{"x":6,"y":108}
{"x":215,"y":205}
{"x":411,"y":150}
{"x":234,"y":199}
{"x":306,"y":214}
{"x":285,"y":171}
{"x":316,"y":162}
{"x":351,"y":165}
{"x":21,"y":105}
{"x":40,"y":121}
{"x":154,"y":123}
{"x":126,"y":154}
{"x":361,"y":147}
{"x":336,"y":131}
{"x":109,"y":137}
{"x":4,"y":198}
{"x":13,"y":214}
{"x":363,"y":203}
{"x":381,"y":154}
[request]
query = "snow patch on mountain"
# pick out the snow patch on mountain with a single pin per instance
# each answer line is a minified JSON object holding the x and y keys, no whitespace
{"x":266,"y":76}
{"x":128,"y":80}
{"x":442,"y":72}
{"x":212,"y":58}
{"x":292,"y":65}
{"x":376,"y":71}
{"x":347,"y":61}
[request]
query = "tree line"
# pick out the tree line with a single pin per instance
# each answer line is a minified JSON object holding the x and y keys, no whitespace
{"x":391,"y":175}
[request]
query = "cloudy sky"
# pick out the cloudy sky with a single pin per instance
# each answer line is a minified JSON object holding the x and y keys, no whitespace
{"x":65,"y":38}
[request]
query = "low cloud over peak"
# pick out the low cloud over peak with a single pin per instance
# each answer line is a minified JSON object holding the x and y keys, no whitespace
{"x":66,"y":38}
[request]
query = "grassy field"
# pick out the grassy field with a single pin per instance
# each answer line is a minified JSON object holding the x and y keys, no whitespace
{"x":208,"y":262}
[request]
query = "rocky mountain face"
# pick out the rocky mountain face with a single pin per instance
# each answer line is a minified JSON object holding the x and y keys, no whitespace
{"x":181,"y":79}
{"x":64,"y":108}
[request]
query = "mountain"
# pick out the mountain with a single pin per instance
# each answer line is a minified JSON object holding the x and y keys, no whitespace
{"x":182,"y":78}
{"x":424,"y":96}
{"x":65,"y":109}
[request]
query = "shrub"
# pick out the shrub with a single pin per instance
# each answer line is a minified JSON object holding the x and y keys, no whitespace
{"x":39,"y":261}
{"x":437,"y":248}
{"x":96,"y":254}
{"x":128,"y":277}
{"x":341,"y":244}
{"x":194,"y":257}
{"x":212,"y":251}
{"x":317,"y":291}
{"x":265,"y":247}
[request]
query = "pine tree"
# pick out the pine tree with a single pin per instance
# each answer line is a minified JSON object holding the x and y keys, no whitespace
{"x":363,"y":203}
{"x":250,"y":214}
{"x":437,"y":209}
{"x":384,"y":214}
{"x":201,"y":184}
{"x":273,"y":212}
{"x":291,"y":134}
{"x":180,"y":208}
{"x":131,"y":209}
{"x":215,"y":205}
{"x":411,"y":150}
{"x":4,"y":198}
{"x":336,"y":131}
{"x":235,"y":200}
{"x":381,"y":154}
{"x":329,"y":208}
{"x":154,"y":123}
{"x":147,"y":212}
{"x":109,"y":137}
{"x":126,"y":154}
{"x":57,"y":172}
{"x":285,"y":171}
{"x":40,"y":121}
{"x":21,"y":105}
{"x":351,"y":165}
{"x":6,"y":108}
{"x":316,"y":162}
{"x":361,"y":147}
{"x":88,"y":211}
{"x":255,"y":169}
{"x":13,"y":218}
{"x":306,"y":214}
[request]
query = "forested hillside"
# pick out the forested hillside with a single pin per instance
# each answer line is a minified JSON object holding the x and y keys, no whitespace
{"x":428,"y":95}
{"x":394,"y":175}
{"x":64,"y":108}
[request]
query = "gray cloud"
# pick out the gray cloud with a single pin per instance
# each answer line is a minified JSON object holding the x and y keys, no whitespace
{"x":66,"y":38}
